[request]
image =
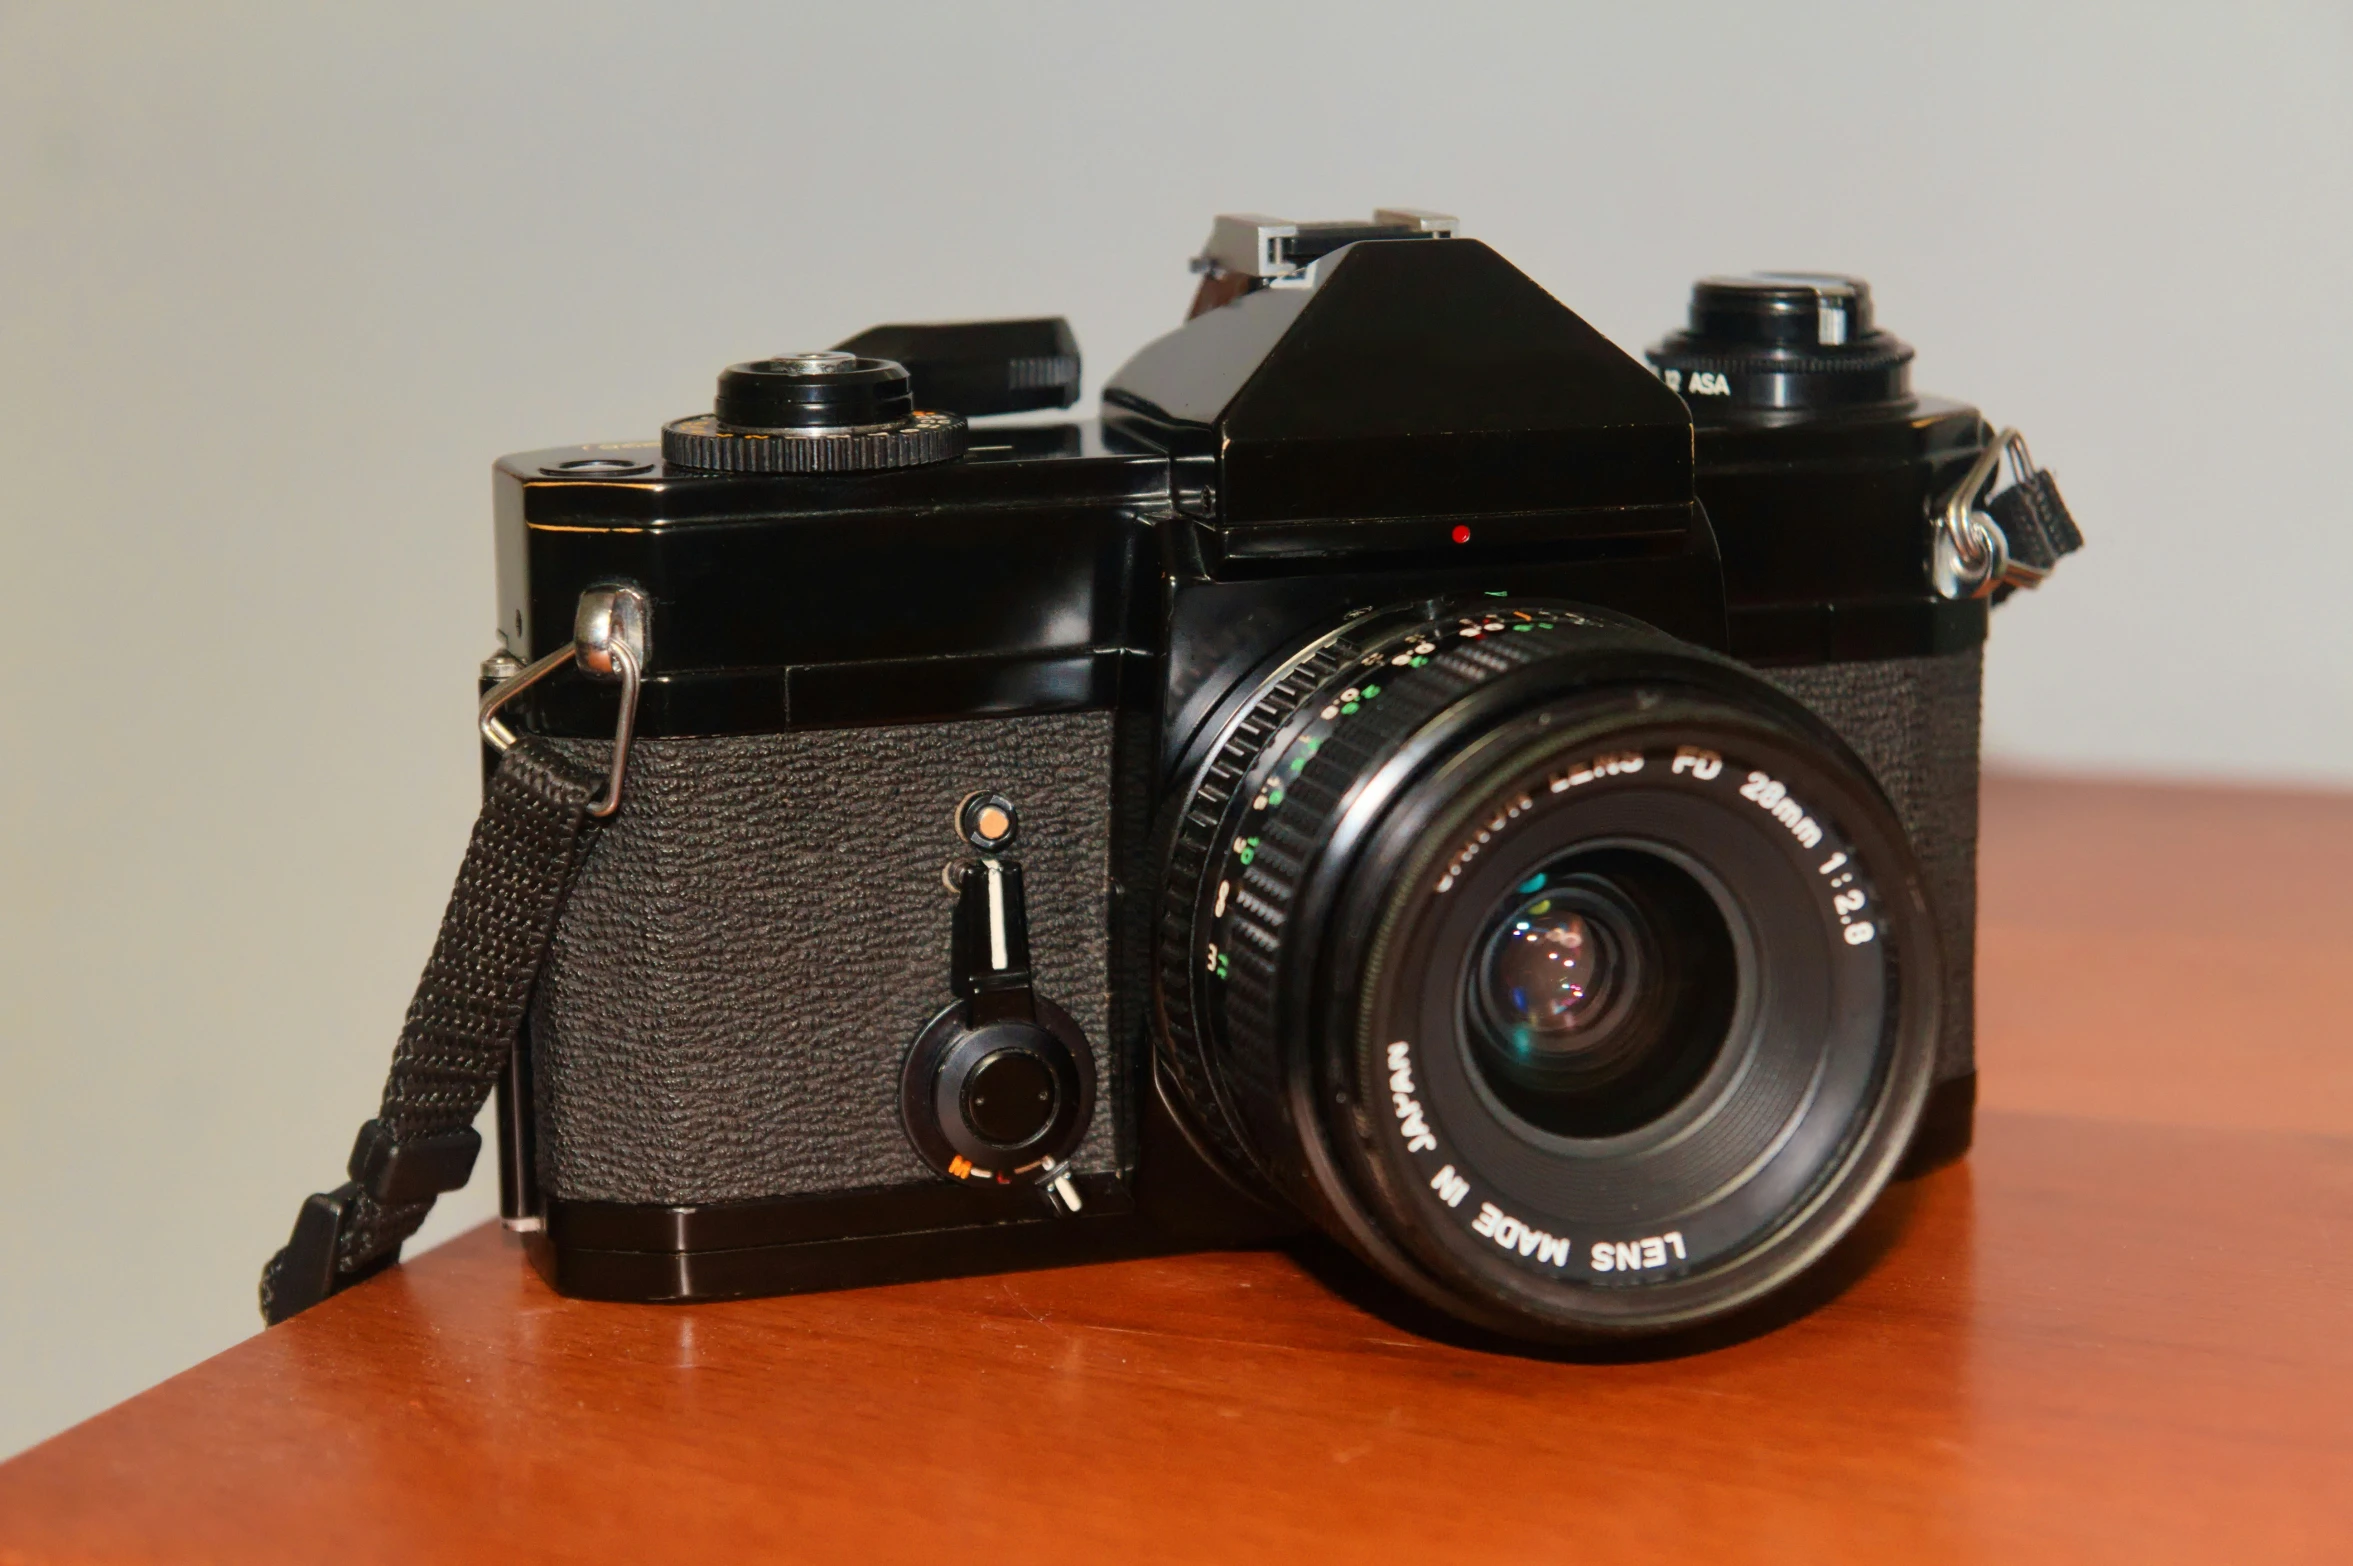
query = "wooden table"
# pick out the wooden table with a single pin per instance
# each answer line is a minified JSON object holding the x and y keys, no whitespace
{"x":2123,"y":1330}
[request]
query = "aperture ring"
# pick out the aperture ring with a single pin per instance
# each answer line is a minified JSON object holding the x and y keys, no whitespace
{"x":1273,"y":845}
{"x":1197,"y":831}
{"x":1237,"y":874}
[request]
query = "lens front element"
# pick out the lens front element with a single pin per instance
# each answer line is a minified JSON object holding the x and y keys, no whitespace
{"x":1601,"y":993}
{"x":1546,"y":977}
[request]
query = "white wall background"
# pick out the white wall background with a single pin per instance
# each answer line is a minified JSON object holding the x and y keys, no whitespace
{"x":276,"y":283}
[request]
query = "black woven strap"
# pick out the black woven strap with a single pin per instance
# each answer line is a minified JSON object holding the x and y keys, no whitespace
{"x":2035,"y":521}
{"x":468,"y":1009}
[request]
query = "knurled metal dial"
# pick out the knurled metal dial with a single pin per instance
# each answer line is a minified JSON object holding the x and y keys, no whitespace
{"x":703,"y":442}
{"x":1252,"y":827}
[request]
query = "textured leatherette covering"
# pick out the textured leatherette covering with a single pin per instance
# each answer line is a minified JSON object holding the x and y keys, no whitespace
{"x":761,"y":931}
{"x":1914,"y":721}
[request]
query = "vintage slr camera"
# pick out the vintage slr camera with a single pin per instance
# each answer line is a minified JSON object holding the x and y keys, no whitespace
{"x":1407,"y":770}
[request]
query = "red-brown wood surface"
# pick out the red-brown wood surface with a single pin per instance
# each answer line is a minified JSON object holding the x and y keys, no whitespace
{"x":2119,"y":1331}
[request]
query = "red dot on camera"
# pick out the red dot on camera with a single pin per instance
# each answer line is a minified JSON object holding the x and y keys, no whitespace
{"x":1462,"y":535}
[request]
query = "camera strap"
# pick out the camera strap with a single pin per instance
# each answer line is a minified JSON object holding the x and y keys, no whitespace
{"x":539,"y":815}
{"x":528,"y":842}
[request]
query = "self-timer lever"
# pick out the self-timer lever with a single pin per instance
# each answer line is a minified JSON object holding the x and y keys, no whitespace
{"x":1000,"y":1084}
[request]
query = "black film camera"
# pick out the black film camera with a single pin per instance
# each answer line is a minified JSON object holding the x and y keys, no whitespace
{"x":1406,"y":769}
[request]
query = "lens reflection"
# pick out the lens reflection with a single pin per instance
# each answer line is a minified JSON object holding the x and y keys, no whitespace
{"x":1549,"y":972}
{"x":1600,"y":992}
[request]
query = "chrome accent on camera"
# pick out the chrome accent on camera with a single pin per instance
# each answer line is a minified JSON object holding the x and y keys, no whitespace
{"x":1438,"y":225}
{"x":821,"y":361}
{"x":610,"y":619}
{"x":1834,"y":302}
{"x":1971,"y":555}
{"x":1255,"y":245}
{"x":609,"y":635}
{"x":1061,"y":1194}
{"x":1248,"y":243}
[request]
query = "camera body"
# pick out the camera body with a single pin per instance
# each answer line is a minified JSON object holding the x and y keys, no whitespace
{"x":924,"y":739}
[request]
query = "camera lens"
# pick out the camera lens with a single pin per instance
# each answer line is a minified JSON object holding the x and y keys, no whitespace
{"x":1601,"y":992}
{"x":1574,"y":977}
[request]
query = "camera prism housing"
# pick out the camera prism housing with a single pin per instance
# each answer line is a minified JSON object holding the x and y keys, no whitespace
{"x":1406,"y":768}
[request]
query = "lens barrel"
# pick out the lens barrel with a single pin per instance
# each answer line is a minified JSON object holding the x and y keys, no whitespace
{"x":1571,"y":975}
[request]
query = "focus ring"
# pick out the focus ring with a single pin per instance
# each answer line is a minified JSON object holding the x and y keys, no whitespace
{"x":1194,"y":851}
{"x":1271,"y":883}
{"x":1219,"y":996}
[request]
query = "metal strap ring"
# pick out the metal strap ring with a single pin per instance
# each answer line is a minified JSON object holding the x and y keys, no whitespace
{"x":617,"y":616}
{"x":1971,"y":556}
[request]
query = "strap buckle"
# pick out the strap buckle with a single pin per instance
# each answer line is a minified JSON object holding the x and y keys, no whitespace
{"x":1973,"y":556}
{"x":305,"y":1270}
{"x":384,"y":1169}
{"x":610,"y":634}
